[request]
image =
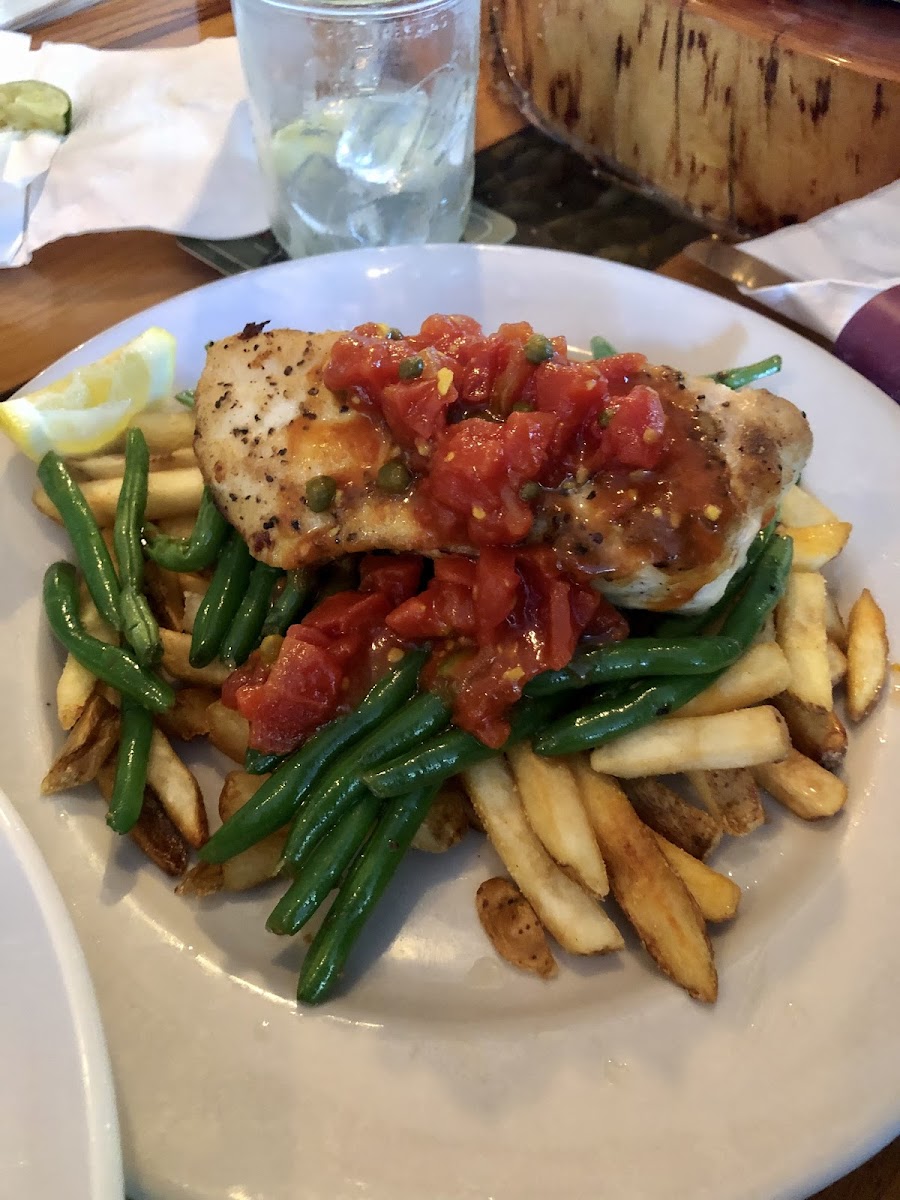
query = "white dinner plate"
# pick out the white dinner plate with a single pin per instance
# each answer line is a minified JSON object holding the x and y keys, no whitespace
{"x":58,"y":1129}
{"x":439,"y":1073}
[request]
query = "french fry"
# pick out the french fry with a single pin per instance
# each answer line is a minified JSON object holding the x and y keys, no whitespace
{"x":554,"y":810}
{"x":192,"y":604}
{"x":189,"y":716}
{"x":834,"y":623}
{"x":169,"y":493}
{"x":257,"y":864}
{"x":804,"y":787}
{"x":767,"y":633}
{"x":816,"y":545}
{"x":112,"y":466}
{"x":819,"y":735}
{"x":181,"y":526}
{"x":693,"y":829}
{"x":77,"y":683}
{"x":652,"y":896}
{"x":867,"y":656}
{"x":228,"y":731}
{"x":165,"y":595}
{"x":800,"y":628}
{"x":715,"y":894}
{"x":166,"y":432}
{"x":565,"y":910}
{"x":177,"y":791}
{"x":758,"y":675}
{"x":154,"y":833}
{"x":801,"y":508}
{"x":90,"y":742}
{"x":176,"y":660}
{"x":837,"y":664}
{"x":732,"y":797}
{"x":513,"y":927}
{"x":446,"y":822}
{"x":193,"y":583}
{"x":735,"y":739}
{"x":205,"y":879}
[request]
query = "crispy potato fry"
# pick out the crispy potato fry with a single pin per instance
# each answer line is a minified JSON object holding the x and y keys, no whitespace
{"x":652,"y":896}
{"x":205,"y":879}
{"x":732,"y":797}
{"x":800,"y":628}
{"x":176,"y":660}
{"x":801,"y":508}
{"x":181,"y":526}
{"x":513,"y":927}
{"x":758,"y":675}
{"x":819,"y":735}
{"x":834,"y":623}
{"x":165,"y":595}
{"x":735,"y":739}
{"x":816,"y":545}
{"x":193,"y":582}
{"x":189,"y":717}
{"x":168,"y":494}
{"x":766,"y":635}
{"x":177,"y":790}
{"x":693,"y":829}
{"x":554,"y":810}
{"x":867,"y":656}
{"x":804,"y":787}
{"x":154,"y":833}
{"x":446,"y":822}
{"x":715,"y":894}
{"x":90,"y":742}
{"x":76,"y":683}
{"x":837,"y":664}
{"x":192,"y":604}
{"x":228,"y":731}
{"x":165,"y":431}
{"x":565,"y":910}
{"x":112,"y":466}
{"x":259,"y":863}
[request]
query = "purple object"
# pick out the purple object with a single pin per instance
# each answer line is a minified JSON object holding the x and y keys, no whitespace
{"x":870,"y":341}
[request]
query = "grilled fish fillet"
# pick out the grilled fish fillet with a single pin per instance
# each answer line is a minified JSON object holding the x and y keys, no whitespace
{"x":266,"y":425}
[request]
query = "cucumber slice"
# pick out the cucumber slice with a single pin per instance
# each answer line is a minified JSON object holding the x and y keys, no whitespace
{"x":30,"y":104}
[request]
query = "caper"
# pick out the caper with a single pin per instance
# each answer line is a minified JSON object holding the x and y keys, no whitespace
{"x":538,"y":349}
{"x":522,"y":406}
{"x":393,"y":477}
{"x":412,"y":367}
{"x":605,"y":417}
{"x":320,"y":492}
{"x":529,"y":491}
{"x":394,"y":334}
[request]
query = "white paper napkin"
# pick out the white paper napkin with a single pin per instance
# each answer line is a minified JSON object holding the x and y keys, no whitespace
{"x":160,"y":139}
{"x":841,"y":259}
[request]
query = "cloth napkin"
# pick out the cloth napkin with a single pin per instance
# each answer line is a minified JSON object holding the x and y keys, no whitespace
{"x":160,"y":139}
{"x":847,"y":265}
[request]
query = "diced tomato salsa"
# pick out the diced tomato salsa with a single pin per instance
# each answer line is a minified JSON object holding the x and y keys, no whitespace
{"x":486,"y":426}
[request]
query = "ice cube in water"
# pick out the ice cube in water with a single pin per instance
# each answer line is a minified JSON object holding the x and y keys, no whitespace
{"x":381,"y":131}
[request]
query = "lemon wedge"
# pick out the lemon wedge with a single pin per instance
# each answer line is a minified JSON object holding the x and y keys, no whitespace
{"x":88,"y":409}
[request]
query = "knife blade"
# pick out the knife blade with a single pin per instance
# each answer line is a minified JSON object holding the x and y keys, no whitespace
{"x":733,"y":263}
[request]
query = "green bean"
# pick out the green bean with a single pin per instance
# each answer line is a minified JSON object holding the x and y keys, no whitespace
{"x":369,"y":875}
{"x":137,"y":620}
{"x":455,"y":750}
{"x":288,"y":606}
{"x":607,"y":718}
{"x":257,"y":762}
{"x":84,"y":533}
{"x":276,"y":801}
{"x":600,"y":348}
{"x":108,"y":663}
{"x":221,"y":600}
{"x":343,"y":786}
{"x":678,"y":625}
{"x":201,"y":549}
{"x":135,"y":737}
{"x":637,"y":658}
{"x":739,"y":377}
{"x":244,"y":632}
{"x":324,"y":867}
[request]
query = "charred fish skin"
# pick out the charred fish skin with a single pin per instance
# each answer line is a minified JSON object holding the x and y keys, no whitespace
{"x":266,"y":425}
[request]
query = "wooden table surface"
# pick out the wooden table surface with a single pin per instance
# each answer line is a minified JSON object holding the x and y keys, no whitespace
{"x":78,"y":287}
